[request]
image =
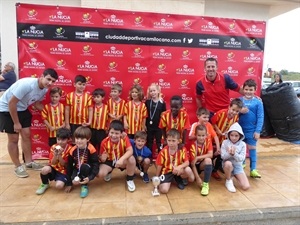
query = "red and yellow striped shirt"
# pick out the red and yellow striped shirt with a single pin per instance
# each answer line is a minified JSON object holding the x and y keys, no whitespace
{"x":79,"y":105}
{"x":168,"y":161}
{"x":116,"y":108}
{"x":135,"y":114}
{"x":181,"y":122}
{"x":100,"y":117}
{"x":55,"y":115}
{"x":114,"y":150}
{"x":200,"y":149}
{"x":58,"y":167}
{"x":221,"y":120}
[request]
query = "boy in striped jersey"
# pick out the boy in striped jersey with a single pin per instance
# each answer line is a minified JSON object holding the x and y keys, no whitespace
{"x":173,"y":162}
{"x":116,"y":105}
{"x":116,"y":152}
{"x":201,"y":153}
{"x":79,"y":109}
{"x":53,"y":114}
{"x":100,"y":117}
{"x":58,"y":158}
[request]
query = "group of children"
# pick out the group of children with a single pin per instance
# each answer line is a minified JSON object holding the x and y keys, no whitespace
{"x":120,"y":134}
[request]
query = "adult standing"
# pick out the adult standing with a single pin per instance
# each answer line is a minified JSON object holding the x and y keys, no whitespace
{"x":277,"y":79}
{"x":15,"y":117}
{"x":7,"y":77}
{"x":212,"y":90}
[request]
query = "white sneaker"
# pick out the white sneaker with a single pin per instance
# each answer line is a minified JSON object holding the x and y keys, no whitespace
{"x":107,"y":177}
{"x":21,"y":172}
{"x":130,"y":185}
{"x":34,"y":166}
{"x":229,"y":185}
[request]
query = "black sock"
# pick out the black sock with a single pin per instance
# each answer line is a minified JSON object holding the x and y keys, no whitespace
{"x":207,"y":173}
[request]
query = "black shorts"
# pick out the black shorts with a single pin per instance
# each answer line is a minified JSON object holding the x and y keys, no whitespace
{"x":7,"y":124}
{"x":168,"y":178}
{"x":110,"y":164}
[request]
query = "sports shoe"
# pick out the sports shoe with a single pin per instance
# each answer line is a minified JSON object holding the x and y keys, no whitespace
{"x":21,"y":172}
{"x":146,"y":178}
{"x":130,"y":185}
{"x":255,"y":174}
{"x":179,"y":181}
{"x":185,"y":182}
{"x":42,"y":188}
{"x":107,"y":177}
{"x":84,"y":191}
{"x":34,"y":166}
{"x":205,"y":189}
{"x":229,"y":185}
{"x":216,"y":175}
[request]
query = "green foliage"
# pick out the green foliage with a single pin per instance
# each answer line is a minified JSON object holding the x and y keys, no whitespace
{"x":292,"y":76}
{"x":284,"y":72}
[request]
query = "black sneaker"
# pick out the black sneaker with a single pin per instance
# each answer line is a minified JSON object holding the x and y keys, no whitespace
{"x":179,"y":181}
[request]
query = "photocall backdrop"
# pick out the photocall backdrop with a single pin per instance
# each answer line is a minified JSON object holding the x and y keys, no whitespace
{"x":126,"y":47}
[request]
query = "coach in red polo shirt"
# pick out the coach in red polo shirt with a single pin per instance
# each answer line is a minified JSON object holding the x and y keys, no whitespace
{"x":212,"y":90}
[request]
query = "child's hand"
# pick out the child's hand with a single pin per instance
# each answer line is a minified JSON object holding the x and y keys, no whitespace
{"x":103,"y":157}
{"x":68,"y":126}
{"x":51,"y":128}
{"x":199,"y":181}
{"x":244,"y":110}
{"x":85,"y":180}
{"x":86,"y":124}
{"x":232,"y":152}
{"x":126,"y":126}
{"x":75,"y":182}
{"x":119,"y":163}
{"x":256,"y":135}
{"x":68,"y":189}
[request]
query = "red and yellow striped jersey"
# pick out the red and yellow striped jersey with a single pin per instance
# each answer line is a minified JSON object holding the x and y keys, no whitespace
{"x":116,"y":108}
{"x":79,"y":105}
{"x":135,"y":114}
{"x":55,"y":115}
{"x":58,"y":167}
{"x":181,"y":122}
{"x":200,"y":149}
{"x":100,"y":117}
{"x":167,"y":161}
{"x":221,"y":120}
{"x":114,"y":150}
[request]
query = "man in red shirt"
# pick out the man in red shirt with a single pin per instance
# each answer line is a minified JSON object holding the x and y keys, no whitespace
{"x":212,"y":90}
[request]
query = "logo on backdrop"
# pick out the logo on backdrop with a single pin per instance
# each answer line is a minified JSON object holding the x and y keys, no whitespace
{"x":161,"y":69}
{"x":186,"y":98}
{"x":185,"y":70}
{"x":162,"y":54}
{"x":163,"y":23}
{"x":113,"y":52}
{"x":60,"y":50}
{"x":209,"y":41}
{"x":111,"y":81}
{"x":86,"y":18}
{"x":230,"y":57}
{"x":232,"y":28}
{"x":113,"y":21}
{"x":184,"y":84}
{"x":210,"y":27}
{"x":185,"y":55}
{"x":138,"y":21}
{"x":253,"y":44}
{"x":86,"y":50}
{"x":34,"y":64}
{"x":252,"y":58}
{"x":164,"y":84}
{"x":137,"y":53}
{"x":208,"y":54}
{"x":60,"y":64}
{"x":62,"y":81}
{"x":87,"y":35}
{"x":112,"y":67}
{"x":231,"y":71}
{"x":253,"y":30}
{"x":59,"y":17}
{"x":38,"y":125}
{"x":32,"y":47}
{"x":232,"y":43}
{"x":137,"y":68}
{"x":32,"y":15}
{"x":32,"y":32}
{"x":251,"y":71}
{"x":87,"y":66}
{"x":187,"y":25}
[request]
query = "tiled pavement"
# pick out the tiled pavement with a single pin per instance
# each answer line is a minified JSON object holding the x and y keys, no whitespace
{"x":278,"y":163}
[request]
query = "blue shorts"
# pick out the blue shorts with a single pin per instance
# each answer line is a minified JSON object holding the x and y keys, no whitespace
{"x":55,"y":175}
{"x":237,"y":168}
{"x":249,"y":139}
